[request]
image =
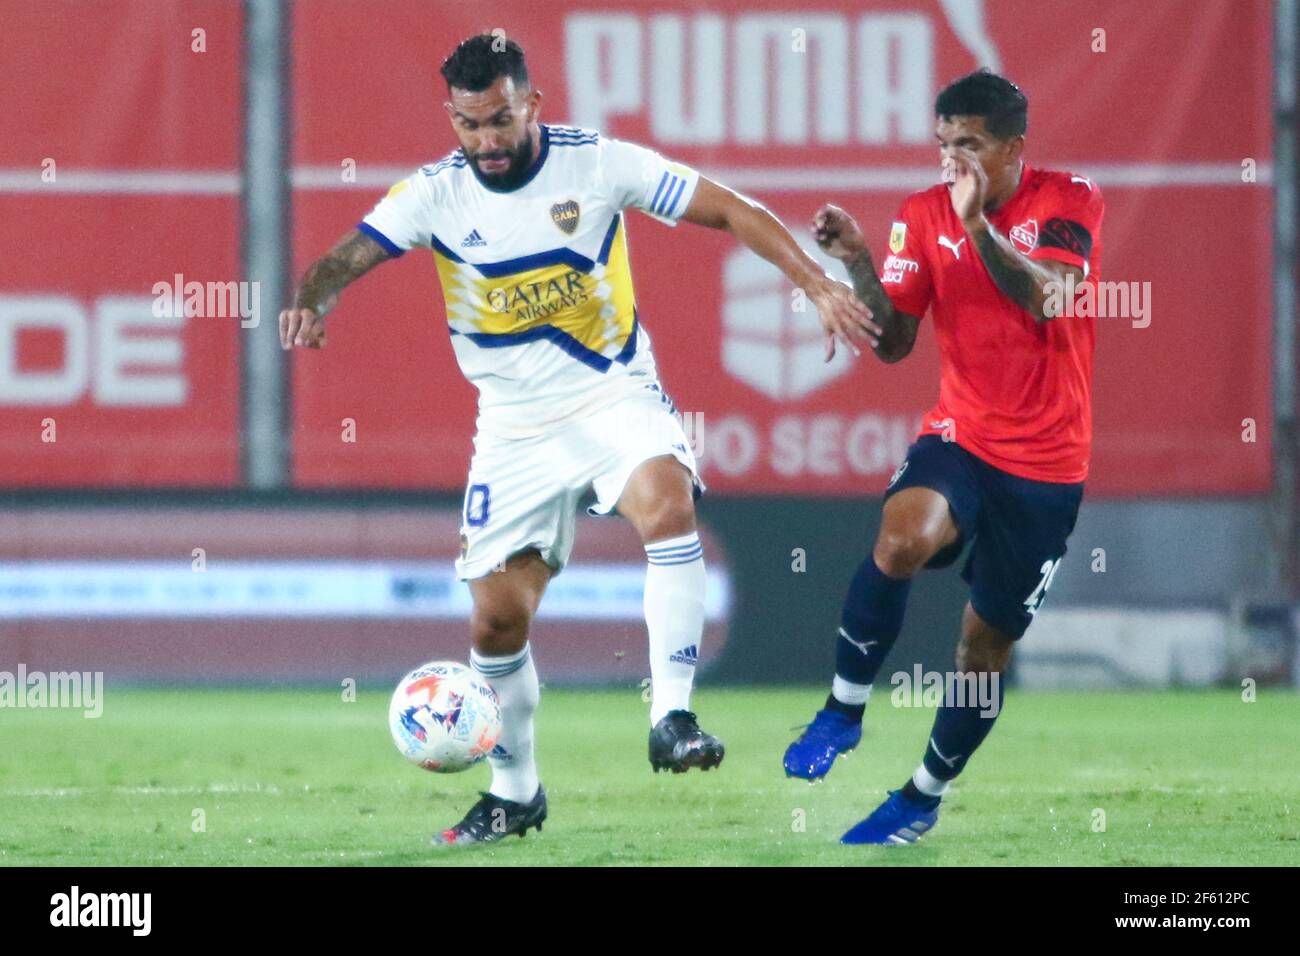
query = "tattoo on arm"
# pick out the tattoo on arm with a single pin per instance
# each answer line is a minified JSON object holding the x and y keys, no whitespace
{"x":353,"y":256}
{"x":1006,"y":267}
{"x":898,"y":328}
{"x":1021,"y":279}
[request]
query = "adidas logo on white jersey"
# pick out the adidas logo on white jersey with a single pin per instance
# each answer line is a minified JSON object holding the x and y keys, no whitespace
{"x":687,"y":655}
{"x":473,"y":239}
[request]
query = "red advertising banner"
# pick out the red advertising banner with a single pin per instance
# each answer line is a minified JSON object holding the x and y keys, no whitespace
{"x":797,"y":107}
{"x":1165,"y":105}
{"x":118,"y":174}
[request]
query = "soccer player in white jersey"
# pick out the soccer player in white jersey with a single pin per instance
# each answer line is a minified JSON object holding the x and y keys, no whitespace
{"x":527,"y":227}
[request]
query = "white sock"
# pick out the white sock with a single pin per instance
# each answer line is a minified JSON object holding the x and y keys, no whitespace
{"x":674,"y":616}
{"x":928,"y":783}
{"x":847,"y":692}
{"x":514,"y":678}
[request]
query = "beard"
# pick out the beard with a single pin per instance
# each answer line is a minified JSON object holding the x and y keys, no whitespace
{"x":521,"y":161}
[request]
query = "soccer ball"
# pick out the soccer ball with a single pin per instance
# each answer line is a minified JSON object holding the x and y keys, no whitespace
{"x":444,"y":717}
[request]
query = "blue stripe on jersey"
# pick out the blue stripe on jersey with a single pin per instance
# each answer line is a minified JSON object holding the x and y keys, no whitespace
{"x":390,"y":247}
{"x":668,"y":191}
{"x":681,"y":185}
{"x":572,"y":136}
{"x":455,"y":161}
{"x":563,"y":256}
{"x":603,"y":256}
{"x":443,"y":250}
{"x":537,"y":260}
{"x":662,"y":182}
{"x":674,"y":184}
{"x":458,"y":158}
{"x":629,"y":347}
{"x":558,"y":337}
{"x":573,"y":132}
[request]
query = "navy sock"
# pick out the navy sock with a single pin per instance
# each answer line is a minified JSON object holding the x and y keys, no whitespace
{"x":916,"y":796}
{"x":959,"y":730}
{"x":855,"y":711}
{"x":872,"y":619}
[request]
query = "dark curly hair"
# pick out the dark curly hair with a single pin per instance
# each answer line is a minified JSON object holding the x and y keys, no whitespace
{"x":477,"y":63}
{"x":983,"y":93}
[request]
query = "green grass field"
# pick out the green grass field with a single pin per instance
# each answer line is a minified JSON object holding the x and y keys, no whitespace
{"x":301,"y":777}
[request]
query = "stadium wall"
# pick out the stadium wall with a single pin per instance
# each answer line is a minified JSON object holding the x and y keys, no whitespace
{"x":329,"y":588}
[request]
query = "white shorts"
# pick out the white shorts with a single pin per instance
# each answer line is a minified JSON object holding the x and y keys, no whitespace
{"x":524,"y":493}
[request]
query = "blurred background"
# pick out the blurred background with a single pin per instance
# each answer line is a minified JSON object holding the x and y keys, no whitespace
{"x":184,"y":502}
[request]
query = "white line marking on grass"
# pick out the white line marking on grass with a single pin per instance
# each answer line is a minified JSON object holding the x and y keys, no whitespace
{"x":211,"y":788}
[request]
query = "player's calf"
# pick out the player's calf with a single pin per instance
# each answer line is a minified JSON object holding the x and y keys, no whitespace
{"x":917,"y":528}
{"x":504,"y":604}
{"x":972,"y":702}
{"x":658,"y":501}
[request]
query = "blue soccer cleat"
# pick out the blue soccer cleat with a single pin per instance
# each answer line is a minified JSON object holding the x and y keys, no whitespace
{"x":830,"y":735}
{"x":896,"y":821}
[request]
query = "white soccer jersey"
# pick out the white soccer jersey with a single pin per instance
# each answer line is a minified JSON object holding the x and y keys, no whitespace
{"x":536,"y":279}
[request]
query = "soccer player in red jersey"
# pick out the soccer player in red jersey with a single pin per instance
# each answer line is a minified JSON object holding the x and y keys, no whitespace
{"x":993,"y":253}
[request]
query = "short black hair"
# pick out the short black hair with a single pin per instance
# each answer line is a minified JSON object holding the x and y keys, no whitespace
{"x":477,"y":63}
{"x":984,"y":93}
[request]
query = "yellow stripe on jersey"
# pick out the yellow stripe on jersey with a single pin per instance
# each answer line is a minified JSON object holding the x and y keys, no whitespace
{"x":590,"y":302}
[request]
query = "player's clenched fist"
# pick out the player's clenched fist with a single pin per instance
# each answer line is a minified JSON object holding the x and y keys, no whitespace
{"x":836,"y":232}
{"x":301,"y":327}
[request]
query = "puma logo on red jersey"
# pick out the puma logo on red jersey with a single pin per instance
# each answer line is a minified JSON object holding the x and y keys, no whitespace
{"x":948,"y":244}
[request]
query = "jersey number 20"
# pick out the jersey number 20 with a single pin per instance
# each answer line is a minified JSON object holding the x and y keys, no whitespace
{"x":1048,"y":571}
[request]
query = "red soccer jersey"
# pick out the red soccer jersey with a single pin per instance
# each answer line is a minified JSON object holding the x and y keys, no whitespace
{"x":1017,"y":393}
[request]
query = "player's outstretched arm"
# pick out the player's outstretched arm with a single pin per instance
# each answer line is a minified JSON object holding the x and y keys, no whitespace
{"x":843,"y":317}
{"x":1027,"y":282}
{"x":838,"y":235}
{"x":352,"y":257}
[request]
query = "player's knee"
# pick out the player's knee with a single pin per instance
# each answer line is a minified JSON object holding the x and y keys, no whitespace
{"x":902,"y":555}
{"x":501,"y":627}
{"x":669,"y":517}
{"x":983,"y":652}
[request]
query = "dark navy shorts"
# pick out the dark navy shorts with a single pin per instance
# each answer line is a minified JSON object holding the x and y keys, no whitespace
{"x":1016,"y":528}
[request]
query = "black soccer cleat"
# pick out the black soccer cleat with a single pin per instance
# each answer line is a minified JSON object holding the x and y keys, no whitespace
{"x":677,"y":744}
{"x":493,"y":818}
